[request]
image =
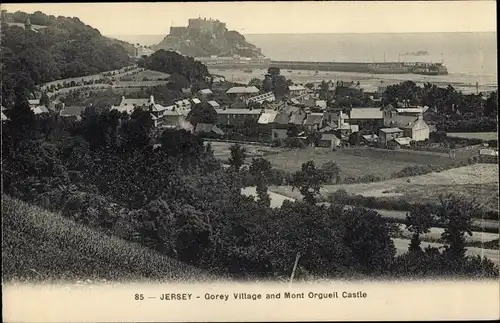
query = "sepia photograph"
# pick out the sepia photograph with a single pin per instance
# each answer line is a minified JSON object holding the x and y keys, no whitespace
{"x":283,"y":144}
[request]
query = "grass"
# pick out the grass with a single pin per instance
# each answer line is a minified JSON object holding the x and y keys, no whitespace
{"x":352,"y":162}
{"x":474,"y":135}
{"x":38,"y":245}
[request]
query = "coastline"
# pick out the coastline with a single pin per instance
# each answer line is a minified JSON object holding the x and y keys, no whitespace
{"x":463,"y":82}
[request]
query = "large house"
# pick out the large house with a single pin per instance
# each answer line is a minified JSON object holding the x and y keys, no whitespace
{"x":261,"y":98}
{"x":366,"y":116}
{"x":388,"y":134}
{"x":237,"y":117}
{"x":128,"y":105}
{"x":297,"y":90}
{"x":414,"y":126}
{"x":313,"y":121}
{"x":242,"y":92}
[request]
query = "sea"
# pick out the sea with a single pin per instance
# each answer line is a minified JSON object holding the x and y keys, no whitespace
{"x":469,"y":57}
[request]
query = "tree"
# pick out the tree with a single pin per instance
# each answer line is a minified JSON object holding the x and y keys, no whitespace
{"x":309,"y":180}
{"x":367,"y":235}
{"x":238,"y":155}
{"x":455,"y":214}
{"x":202,"y":113}
{"x":262,"y":194}
{"x":256,"y":82}
{"x":332,"y":171}
{"x":418,"y":221}
{"x":260,"y":166}
{"x":44,"y":99}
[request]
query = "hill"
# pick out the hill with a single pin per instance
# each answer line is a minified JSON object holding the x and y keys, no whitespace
{"x":202,"y":38}
{"x":38,"y":245}
{"x":37,"y":48}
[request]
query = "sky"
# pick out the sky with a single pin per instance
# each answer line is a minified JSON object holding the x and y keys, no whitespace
{"x":279,"y":17}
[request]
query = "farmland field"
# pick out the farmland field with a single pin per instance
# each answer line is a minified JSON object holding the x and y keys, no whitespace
{"x":474,"y":135}
{"x":355,"y":162}
{"x":478,"y":181}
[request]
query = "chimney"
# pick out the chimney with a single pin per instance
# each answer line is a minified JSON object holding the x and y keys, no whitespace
{"x":151,"y":100}
{"x":123,"y":99}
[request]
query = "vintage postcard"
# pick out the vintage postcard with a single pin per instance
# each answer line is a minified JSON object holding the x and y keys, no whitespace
{"x":249,"y":161}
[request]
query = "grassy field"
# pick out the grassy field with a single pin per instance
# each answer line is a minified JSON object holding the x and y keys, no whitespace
{"x":478,"y":181}
{"x":474,"y":135}
{"x":353,"y":162}
{"x":38,"y":245}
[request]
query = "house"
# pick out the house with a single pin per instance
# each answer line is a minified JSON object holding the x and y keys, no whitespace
{"x":174,"y":119}
{"x":320,"y":104}
{"x":267,"y":117}
{"x":402,"y":142}
{"x":370,"y":139}
{"x":208,"y":129}
{"x":278,"y":133}
{"x":418,"y":130}
{"x":39,"y":109}
{"x":242,"y":92}
{"x":205,"y":94}
{"x":183,"y":106}
{"x":388,"y":134}
{"x":72,"y":112}
{"x":261,"y":98}
{"x":361,"y":116}
{"x":290,"y":115}
{"x":412,"y":111}
{"x":129,"y":105}
{"x":297,"y":90}
{"x":329,"y":138}
{"x":266,"y":123}
{"x":313,"y":121}
{"x":414,"y":127}
{"x":214,"y":104}
{"x":34,"y":103}
{"x":237,"y":117}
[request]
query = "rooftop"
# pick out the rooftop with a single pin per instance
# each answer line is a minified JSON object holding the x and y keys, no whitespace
{"x":296,"y":88}
{"x":391,"y":130}
{"x":242,"y":89}
{"x":68,"y":111}
{"x":366,"y":113}
{"x":400,"y":121}
{"x":268,"y":117}
{"x":313,"y":119}
{"x":206,"y":91}
{"x":239,"y":111}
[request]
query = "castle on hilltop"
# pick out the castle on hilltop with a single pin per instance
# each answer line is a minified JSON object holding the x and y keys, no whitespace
{"x":204,"y":25}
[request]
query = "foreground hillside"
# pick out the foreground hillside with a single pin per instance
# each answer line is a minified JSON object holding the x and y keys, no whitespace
{"x":63,"y":48}
{"x":38,"y":245}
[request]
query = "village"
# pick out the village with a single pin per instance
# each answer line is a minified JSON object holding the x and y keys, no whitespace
{"x":299,"y":119}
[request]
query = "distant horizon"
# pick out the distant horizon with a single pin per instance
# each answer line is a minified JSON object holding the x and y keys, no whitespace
{"x":152,"y":18}
{"x":343,"y":33}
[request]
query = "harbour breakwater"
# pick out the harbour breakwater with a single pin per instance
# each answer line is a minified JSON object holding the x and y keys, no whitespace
{"x":369,"y":68}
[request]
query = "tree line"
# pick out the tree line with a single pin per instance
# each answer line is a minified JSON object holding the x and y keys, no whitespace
{"x":66,"y":48}
{"x":168,"y":191}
